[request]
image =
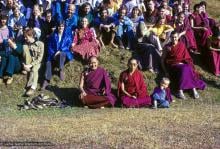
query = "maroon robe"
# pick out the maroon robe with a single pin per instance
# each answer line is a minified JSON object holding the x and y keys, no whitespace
{"x":188,"y":39}
{"x":213,"y":59}
{"x":183,"y":76}
{"x":97,"y":85}
{"x":135,"y":86}
{"x":201,"y":20}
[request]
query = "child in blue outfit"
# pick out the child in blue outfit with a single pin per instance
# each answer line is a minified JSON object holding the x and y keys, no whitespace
{"x":161,"y":96}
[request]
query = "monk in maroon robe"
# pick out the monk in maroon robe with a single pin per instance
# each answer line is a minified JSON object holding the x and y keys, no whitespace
{"x":200,"y":26}
{"x":182,"y":26}
{"x":178,"y":64}
{"x":213,"y":51}
{"x":131,"y":87}
{"x":95,"y":87}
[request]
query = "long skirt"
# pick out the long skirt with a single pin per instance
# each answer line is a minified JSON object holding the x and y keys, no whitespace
{"x":183,"y":77}
{"x":87,"y":49}
{"x":129,"y":102}
{"x":93,"y":101}
{"x":214,"y":62}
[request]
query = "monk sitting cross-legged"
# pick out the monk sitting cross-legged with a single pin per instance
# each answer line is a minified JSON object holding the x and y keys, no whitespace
{"x":95,"y":86}
{"x":131,"y":87}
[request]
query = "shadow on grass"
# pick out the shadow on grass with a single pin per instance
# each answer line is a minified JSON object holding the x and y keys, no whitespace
{"x":212,"y":83}
{"x":67,"y":95}
{"x":208,"y":77}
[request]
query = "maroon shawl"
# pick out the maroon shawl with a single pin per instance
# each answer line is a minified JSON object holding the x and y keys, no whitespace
{"x":177,"y":54}
{"x":134,"y":84}
{"x":97,"y":82}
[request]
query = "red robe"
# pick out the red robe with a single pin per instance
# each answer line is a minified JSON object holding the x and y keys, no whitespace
{"x":134,"y":84}
{"x":178,"y":54}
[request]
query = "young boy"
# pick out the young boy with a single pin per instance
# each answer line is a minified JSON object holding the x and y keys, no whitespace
{"x":161,"y":96}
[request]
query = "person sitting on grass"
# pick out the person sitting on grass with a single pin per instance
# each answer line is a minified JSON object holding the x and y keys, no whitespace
{"x":161,"y":96}
{"x":213,"y":51}
{"x":105,"y":24}
{"x":58,"y":52}
{"x":124,"y":28}
{"x":177,"y":61}
{"x":85,"y":43}
{"x":33,"y":52}
{"x":162,"y":30}
{"x":95,"y":86}
{"x":9,"y":52}
{"x":131,"y":87}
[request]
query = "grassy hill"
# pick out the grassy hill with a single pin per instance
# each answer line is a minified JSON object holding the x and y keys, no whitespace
{"x":187,"y":124}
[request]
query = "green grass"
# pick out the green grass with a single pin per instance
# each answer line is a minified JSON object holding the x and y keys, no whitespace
{"x":187,"y":124}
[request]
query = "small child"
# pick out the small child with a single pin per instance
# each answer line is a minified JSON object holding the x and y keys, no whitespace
{"x":161,"y":96}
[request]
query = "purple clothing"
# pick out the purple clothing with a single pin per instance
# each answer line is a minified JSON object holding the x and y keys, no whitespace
{"x":183,"y":77}
{"x":129,"y":102}
{"x":201,"y":20}
{"x":168,"y":93}
{"x":214,"y":63}
{"x":97,"y":81}
{"x":213,"y":57}
{"x":39,"y":22}
{"x":188,"y":39}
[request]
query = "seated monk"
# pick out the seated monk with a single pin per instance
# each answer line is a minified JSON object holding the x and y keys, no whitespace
{"x":95,"y":86}
{"x":177,"y":62}
{"x":200,"y":25}
{"x":131,"y":87}
{"x":213,"y":51}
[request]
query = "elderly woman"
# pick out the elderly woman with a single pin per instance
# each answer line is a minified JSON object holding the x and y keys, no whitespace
{"x":33,"y":52}
{"x":131,"y":87}
{"x":58,"y":52}
{"x":84,"y":42}
{"x":177,"y":62}
{"x":95,"y":86}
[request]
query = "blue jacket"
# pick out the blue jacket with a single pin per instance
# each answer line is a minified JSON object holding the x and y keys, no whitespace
{"x":64,"y":45}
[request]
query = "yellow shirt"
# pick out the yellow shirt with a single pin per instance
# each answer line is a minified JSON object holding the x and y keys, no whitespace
{"x":158,"y":30}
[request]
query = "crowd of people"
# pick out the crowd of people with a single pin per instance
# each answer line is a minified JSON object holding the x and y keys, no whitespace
{"x":163,"y":33}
